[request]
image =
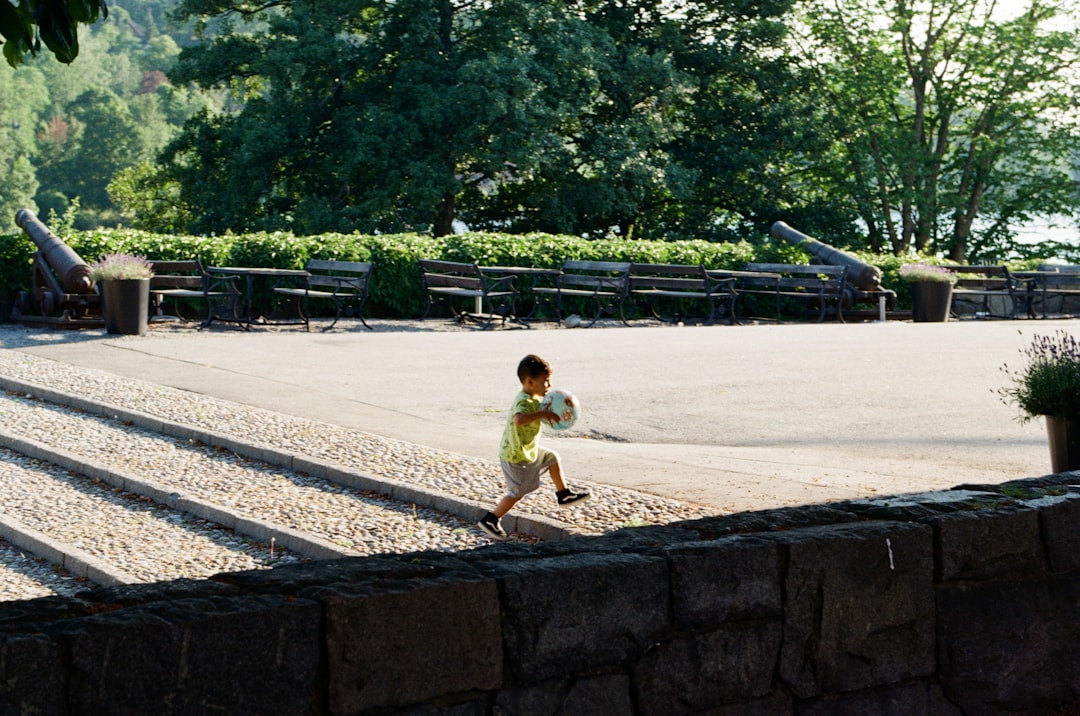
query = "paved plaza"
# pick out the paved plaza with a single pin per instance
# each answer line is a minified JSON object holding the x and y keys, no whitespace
{"x":732,"y":417}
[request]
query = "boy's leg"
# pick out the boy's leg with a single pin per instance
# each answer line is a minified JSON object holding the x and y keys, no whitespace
{"x":563,"y":495}
{"x":505,"y":505}
{"x":491,"y":522}
{"x":516,"y":482}
{"x":556,"y":476}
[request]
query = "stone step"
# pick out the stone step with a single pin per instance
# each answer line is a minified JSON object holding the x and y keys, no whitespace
{"x":93,"y":465}
{"x":108,"y":535}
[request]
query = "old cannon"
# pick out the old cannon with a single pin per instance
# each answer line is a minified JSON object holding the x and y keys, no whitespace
{"x":863,"y":280}
{"x":62,"y":291}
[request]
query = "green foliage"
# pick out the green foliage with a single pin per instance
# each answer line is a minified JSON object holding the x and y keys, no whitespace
{"x":27,"y":23}
{"x":1049,"y":382}
{"x":396,"y":286}
{"x":16,"y":261}
{"x":950,"y":121}
{"x":67,"y":129}
{"x":583,"y":118}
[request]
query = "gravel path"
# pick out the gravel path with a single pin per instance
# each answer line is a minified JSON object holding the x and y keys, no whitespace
{"x":24,"y":576}
{"x":151,"y":542}
{"x":362,"y":523}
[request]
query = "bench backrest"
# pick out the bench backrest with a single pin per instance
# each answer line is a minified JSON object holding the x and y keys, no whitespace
{"x":595,"y":274}
{"x":451,"y":274}
{"x":985,"y":278}
{"x":177,"y":274}
{"x":1061,"y":268}
{"x":352,"y":275}
{"x":670,"y":277}
{"x":828,"y":270}
{"x":825,"y":277}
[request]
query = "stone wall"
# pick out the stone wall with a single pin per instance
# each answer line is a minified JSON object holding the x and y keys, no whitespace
{"x":962,"y":602}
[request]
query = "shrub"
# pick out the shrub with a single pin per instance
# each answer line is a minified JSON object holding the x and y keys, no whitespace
{"x":1049,"y":382}
{"x":914,"y":273}
{"x":120,"y":267}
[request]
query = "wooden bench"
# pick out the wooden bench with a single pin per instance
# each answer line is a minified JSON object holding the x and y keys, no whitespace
{"x":187,"y":280}
{"x":446,"y":281}
{"x":677,"y":286}
{"x":822,"y":285}
{"x":990,"y":290}
{"x":343,"y":282}
{"x":604,"y":283}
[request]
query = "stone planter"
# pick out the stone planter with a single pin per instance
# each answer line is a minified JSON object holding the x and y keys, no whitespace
{"x":1064,"y":436}
{"x":125,"y":305}
{"x":930,"y":301}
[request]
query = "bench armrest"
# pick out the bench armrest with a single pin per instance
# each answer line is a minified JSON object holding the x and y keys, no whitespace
{"x":498,"y":283}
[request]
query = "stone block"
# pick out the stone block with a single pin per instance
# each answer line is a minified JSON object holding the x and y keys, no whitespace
{"x":783,"y":518}
{"x":23,"y":615}
{"x":859,"y":607}
{"x":1010,"y":647}
{"x":228,"y":655}
{"x":778,"y":702}
{"x":733,"y":664}
{"x":397,"y":643}
{"x":126,"y":595}
{"x":580,"y":612}
{"x":473,"y":707}
{"x":1059,"y":520}
{"x":31,"y":675}
{"x":728,"y":579}
{"x":585,"y":696}
{"x":1003,"y":543}
{"x":916,"y":697}
{"x":297,"y":579}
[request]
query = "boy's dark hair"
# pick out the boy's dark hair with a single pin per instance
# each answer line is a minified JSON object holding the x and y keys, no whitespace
{"x":533,"y":366}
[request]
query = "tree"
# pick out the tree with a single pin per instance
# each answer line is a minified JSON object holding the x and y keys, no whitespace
{"x":374,"y":115}
{"x":110,"y":110}
{"x":580,"y":117}
{"x":951,"y":122}
{"x":22,"y":97}
{"x":25,"y":24}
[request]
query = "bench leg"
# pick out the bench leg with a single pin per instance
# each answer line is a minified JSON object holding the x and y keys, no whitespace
{"x":303,"y":309}
{"x":225,"y":309}
{"x":599,"y":311}
{"x":360,"y":313}
{"x":602,"y":308}
{"x":727,"y":302}
{"x":431,"y":300}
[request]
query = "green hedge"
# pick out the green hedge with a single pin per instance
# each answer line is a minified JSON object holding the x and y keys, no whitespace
{"x":397,"y":288}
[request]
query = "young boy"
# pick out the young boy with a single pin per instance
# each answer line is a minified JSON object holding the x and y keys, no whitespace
{"x":522,"y":459}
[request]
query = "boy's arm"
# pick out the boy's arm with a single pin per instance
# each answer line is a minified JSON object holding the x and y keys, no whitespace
{"x":526,"y":418}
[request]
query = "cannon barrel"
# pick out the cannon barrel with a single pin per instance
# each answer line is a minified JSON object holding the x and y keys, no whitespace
{"x":860,"y":274}
{"x":73,"y":272}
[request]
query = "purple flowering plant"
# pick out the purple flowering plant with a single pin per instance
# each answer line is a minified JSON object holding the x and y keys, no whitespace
{"x":1049,"y":382}
{"x":120,"y":266}
{"x":927,"y":272}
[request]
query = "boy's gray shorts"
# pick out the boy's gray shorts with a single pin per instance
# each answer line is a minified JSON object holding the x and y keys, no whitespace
{"x":524,"y":477}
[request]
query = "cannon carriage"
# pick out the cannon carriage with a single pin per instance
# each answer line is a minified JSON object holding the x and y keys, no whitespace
{"x":862,"y":282}
{"x":62,"y":291}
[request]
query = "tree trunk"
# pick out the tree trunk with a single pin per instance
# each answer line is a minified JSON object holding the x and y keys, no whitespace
{"x":444,"y":217}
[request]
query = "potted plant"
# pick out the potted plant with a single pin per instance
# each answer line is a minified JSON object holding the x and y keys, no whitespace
{"x":931,"y":291}
{"x":1049,"y":385}
{"x":123,"y":284}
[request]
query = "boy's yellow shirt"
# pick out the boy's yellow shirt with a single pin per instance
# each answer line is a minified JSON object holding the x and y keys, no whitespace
{"x":519,"y":442}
